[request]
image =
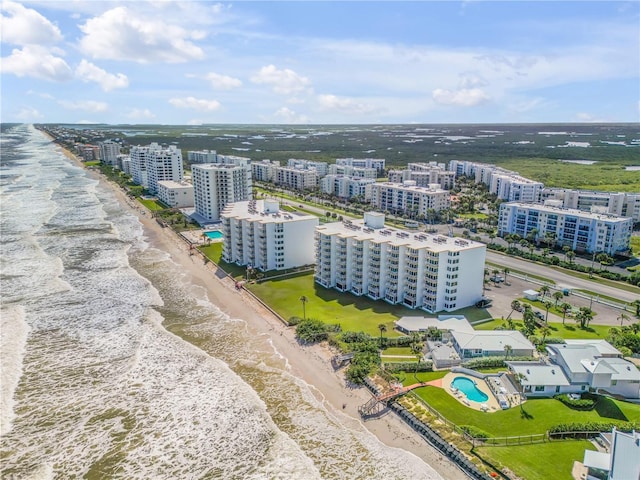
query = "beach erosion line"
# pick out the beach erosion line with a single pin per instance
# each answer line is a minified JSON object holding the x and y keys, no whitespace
{"x":310,"y":363}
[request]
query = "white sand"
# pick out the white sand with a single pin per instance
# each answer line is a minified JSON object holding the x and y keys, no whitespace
{"x":310,"y":363}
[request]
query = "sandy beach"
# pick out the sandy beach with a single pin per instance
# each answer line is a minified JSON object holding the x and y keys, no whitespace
{"x":310,"y":363}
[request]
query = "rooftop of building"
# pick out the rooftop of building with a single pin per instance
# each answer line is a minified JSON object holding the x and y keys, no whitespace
{"x":264,"y":211}
{"x":408,"y":186}
{"x":359,"y":230}
{"x":174,"y":184}
{"x":567,"y":211}
{"x":492,"y":340}
{"x":539,"y":373}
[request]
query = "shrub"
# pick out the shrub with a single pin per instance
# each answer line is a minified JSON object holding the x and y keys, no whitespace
{"x":474,"y":432}
{"x":293,"y":321}
{"x":492,"y":362}
{"x":355,"y":337}
{"x":593,"y":427}
{"x":311,"y":331}
{"x":586,"y":402}
{"x":397,"y":367}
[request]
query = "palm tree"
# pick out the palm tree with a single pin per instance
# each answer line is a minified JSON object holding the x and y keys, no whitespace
{"x":565,"y":308}
{"x":383,"y":328}
{"x":571,"y":255}
{"x":545,"y":329}
{"x":544,"y":290}
{"x":304,"y":301}
{"x":508,"y":349}
{"x":622,"y":317}
{"x":557,"y":296}
{"x":547,"y":306}
{"x":515,"y":305}
{"x":584,"y":316}
{"x":506,"y":272}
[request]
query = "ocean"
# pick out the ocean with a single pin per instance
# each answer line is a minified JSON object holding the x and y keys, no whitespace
{"x":115,"y":366}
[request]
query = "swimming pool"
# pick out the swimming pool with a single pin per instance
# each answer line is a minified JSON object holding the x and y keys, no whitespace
{"x":214,"y":234}
{"x":469,"y":388}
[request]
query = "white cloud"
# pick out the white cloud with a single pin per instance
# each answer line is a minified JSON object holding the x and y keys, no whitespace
{"x":88,"y":72}
{"x":285,"y":82}
{"x":88,"y":105}
{"x":40,"y":94}
{"x":140,"y":114}
{"x":285,"y":115}
{"x":25,"y":26}
{"x":118,"y":34}
{"x":465,"y":97}
{"x":344,"y":105}
{"x":223,"y":82}
{"x":195,"y":103}
{"x":34,"y":61}
{"x":28,"y":114}
{"x":589,"y":118}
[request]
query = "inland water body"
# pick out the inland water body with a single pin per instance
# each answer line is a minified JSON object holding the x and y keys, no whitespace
{"x":95,"y":384}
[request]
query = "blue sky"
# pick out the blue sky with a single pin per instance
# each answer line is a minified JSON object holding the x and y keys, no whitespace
{"x":193,"y":62}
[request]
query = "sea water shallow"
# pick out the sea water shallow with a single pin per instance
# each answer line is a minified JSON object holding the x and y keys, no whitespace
{"x":115,"y":366}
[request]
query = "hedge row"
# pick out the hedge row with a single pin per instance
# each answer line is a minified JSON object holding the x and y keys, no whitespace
{"x":586,"y":402}
{"x":493,"y":362}
{"x":593,"y":427}
{"x":397,"y":367}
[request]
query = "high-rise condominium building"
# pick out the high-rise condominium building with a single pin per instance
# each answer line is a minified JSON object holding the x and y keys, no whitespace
{"x":418,"y":270}
{"x":164,"y":164}
{"x":109,"y":151}
{"x":258,"y":234}
{"x":215,"y":185}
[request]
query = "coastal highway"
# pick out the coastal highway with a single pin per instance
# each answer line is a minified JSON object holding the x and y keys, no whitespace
{"x":561,"y":279}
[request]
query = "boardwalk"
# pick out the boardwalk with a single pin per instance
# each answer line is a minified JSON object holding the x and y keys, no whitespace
{"x":377,"y":403}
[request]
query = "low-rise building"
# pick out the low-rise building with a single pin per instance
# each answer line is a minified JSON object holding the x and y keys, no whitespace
{"x":425,"y":174}
{"x":321,"y":168}
{"x":581,"y":231}
{"x":491,"y":343}
{"x":354,"y":172}
{"x":619,"y":462}
{"x":175,"y":194}
{"x":264,"y":170}
{"x":623,"y":204}
{"x":430,"y":272}
{"x":407,"y":198}
{"x":377,"y":163}
{"x":296,"y":178}
{"x":345,"y":187}
{"x":258,"y":234}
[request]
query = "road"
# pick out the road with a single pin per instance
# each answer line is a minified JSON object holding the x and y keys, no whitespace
{"x":560,"y":279}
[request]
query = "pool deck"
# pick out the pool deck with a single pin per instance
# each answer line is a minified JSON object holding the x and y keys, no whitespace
{"x":491,"y":402}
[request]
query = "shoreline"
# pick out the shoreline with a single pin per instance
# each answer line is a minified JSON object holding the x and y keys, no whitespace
{"x":309,"y":363}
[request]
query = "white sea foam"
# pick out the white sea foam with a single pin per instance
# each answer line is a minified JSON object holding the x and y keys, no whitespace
{"x":13,"y":338}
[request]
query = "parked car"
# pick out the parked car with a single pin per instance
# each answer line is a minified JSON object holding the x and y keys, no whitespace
{"x":497,"y":279}
{"x":539,"y":315}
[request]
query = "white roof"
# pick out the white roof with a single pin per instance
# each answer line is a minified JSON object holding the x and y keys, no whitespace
{"x":623,"y":369}
{"x":599,"y":460}
{"x":539,"y":374}
{"x":254,"y":211}
{"x":604,"y":347}
{"x":358,"y":230}
{"x":574,"y":355}
{"x":443,"y":322}
{"x":492,"y":340}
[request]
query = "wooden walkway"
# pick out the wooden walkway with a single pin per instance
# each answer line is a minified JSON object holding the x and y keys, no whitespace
{"x":377,"y":403}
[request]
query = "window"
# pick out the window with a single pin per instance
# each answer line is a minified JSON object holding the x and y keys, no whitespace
{"x":539,"y":388}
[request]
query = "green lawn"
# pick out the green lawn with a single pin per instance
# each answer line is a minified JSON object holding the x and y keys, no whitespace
{"x":151,"y":204}
{"x":535,"y":417}
{"x":540,"y":461}
{"x":329,"y":306}
{"x":635,"y":244}
{"x":568,"y":331}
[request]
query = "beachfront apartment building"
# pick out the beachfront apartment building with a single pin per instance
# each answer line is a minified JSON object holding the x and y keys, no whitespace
{"x":321,"y":168}
{"x":257,"y":234}
{"x":355,"y":172}
{"x":580,"y":231}
{"x":377,"y":163}
{"x":425,"y":174}
{"x":164,"y":164}
{"x":296,"y":178}
{"x":346,"y":187}
{"x":175,"y":194}
{"x":407,"y":198}
{"x":215,"y":185}
{"x":109,"y":151}
{"x":139,"y":157}
{"x":431,"y":272}
{"x":623,"y":204}
{"x":264,"y":170}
